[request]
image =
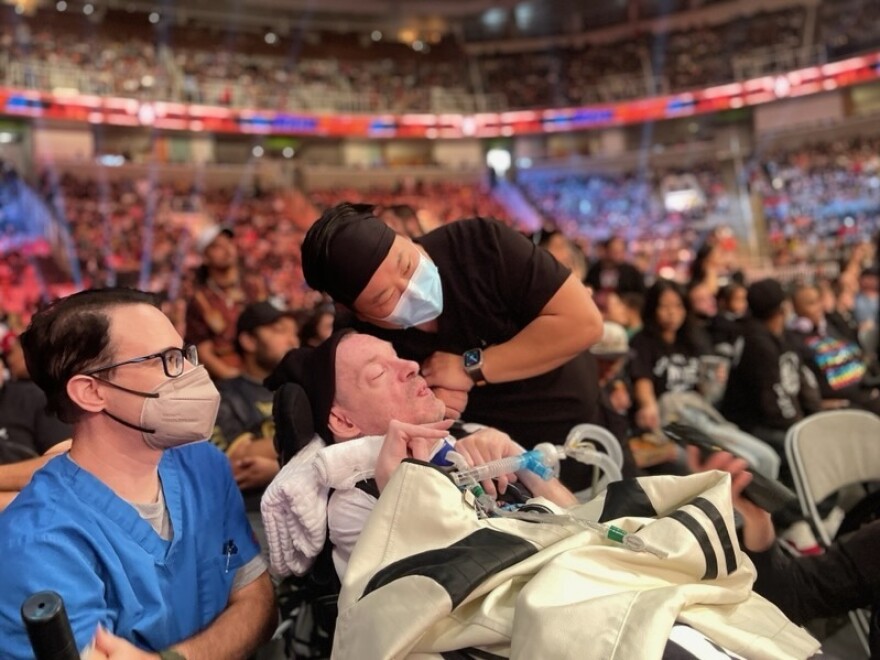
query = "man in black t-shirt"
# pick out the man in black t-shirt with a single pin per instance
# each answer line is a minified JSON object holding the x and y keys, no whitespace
{"x":245,"y":429}
{"x":497,"y":324}
{"x":769,"y":389}
{"x":613,"y":272}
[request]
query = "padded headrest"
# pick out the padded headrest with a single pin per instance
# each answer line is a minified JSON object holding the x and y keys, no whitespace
{"x":294,"y":427}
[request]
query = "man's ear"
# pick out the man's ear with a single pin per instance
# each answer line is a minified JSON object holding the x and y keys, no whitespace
{"x":341,"y":426}
{"x":248,"y":342}
{"x":85,"y":393}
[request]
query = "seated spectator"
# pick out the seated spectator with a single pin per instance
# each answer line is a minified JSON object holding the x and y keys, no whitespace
{"x":769,"y":388}
{"x":838,"y":364}
{"x":727,"y":326}
{"x":317,"y":325}
{"x":613,"y":308}
{"x":357,"y":386}
{"x":245,"y":430}
{"x":139,"y":528}
{"x":566,"y":252}
{"x":615,"y":390}
{"x":217,"y":303}
{"x":27,"y":431}
{"x":840,"y":315}
{"x":706,"y":268}
{"x":634,"y":304}
{"x":613,"y":271}
{"x":867,"y":303}
{"x":704,"y":307}
{"x":666,"y":351}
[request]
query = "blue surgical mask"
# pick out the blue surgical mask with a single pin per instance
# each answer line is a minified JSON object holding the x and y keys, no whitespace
{"x":422,"y":301}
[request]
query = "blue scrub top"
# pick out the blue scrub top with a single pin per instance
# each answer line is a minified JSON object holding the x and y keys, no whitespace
{"x":69,"y":533}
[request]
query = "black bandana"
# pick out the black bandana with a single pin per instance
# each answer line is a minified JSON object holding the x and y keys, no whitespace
{"x":343,"y":249}
{"x":314,"y":369}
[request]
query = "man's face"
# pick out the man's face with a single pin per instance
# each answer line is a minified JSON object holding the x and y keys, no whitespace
{"x":136,"y":331}
{"x":374,"y":386}
{"x":274,"y":340}
{"x":221,"y":253}
{"x":808,"y":303}
{"x":388,"y":283}
{"x":616,"y":251}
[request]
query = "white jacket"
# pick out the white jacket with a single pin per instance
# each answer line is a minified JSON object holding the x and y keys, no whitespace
{"x":428,"y":576}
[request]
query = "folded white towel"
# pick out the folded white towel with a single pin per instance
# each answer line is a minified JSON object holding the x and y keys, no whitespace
{"x":294,"y":509}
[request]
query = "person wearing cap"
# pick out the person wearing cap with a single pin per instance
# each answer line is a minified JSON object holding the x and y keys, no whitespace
{"x":615,"y":389}
{"x":29,"y":436}
{"x":769,"y":389}
{"x":217,"y":302}
{"x":245,"y":429}
{"x":357,"y":386}
{"x":497,"y":324}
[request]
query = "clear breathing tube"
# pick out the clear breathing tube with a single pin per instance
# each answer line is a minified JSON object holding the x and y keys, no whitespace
{"x":543,"y":460}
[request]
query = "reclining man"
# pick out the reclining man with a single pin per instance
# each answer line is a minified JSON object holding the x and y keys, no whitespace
{"x":140,"y":528}
{"x":357,"y":386}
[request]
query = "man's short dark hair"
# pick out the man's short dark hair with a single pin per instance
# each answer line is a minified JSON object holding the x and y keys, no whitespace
{"x":71,"y":336}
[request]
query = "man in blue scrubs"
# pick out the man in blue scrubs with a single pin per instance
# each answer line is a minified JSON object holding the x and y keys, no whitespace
{"x":139,"y":527}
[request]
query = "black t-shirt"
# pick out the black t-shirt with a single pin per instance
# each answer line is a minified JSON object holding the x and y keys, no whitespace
{"x":670,"y":367}
{"x":725,"y":332}
{"x":26,"y":429}
{"x":245,"y":407}
{"x":622,"y":278}
{"x":766,"y":386}
{"x":495,"y":282}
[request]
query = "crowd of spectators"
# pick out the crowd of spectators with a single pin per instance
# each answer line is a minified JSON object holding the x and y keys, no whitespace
{"x":819,"y":199}
{"x":353,"y":73}
{"x":110,"y":223}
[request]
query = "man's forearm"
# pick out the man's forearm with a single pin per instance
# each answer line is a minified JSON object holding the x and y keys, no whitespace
{"x":247,"y":622}
{"x":550,"y":340}
{"x":553,"y":489}
{"x":214,"y":363}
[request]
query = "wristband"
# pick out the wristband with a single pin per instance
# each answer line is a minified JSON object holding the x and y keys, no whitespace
{"x":171,"y":654}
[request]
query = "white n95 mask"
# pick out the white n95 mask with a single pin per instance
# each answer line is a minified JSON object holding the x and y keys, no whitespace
{"x":422,"y":301}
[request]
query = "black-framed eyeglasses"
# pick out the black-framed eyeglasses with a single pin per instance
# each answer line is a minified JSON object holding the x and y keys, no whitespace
{"x":172,"y":360}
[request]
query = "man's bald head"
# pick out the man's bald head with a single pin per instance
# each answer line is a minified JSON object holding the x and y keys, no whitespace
{"x":374,"y":386}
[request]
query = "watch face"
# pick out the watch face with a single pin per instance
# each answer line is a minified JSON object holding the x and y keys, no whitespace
{"x":472,"y":358}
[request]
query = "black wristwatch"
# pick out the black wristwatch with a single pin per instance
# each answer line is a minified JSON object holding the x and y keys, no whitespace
{"x":473,"y":365}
